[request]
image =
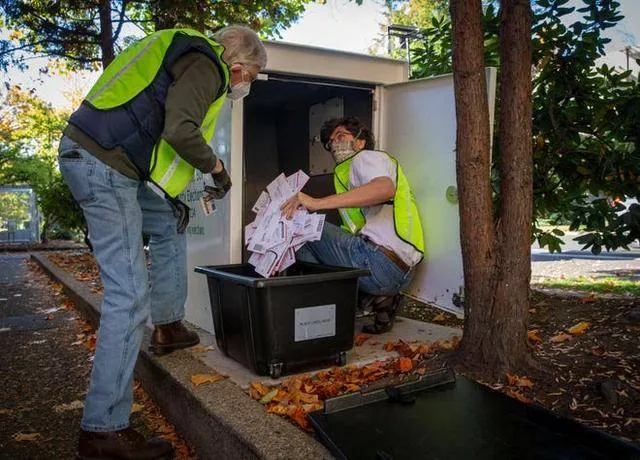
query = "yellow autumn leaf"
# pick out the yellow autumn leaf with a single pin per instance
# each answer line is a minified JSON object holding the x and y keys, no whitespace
{"x":199,"y":379}
{"x":20,"y":437}
{"x":438,"y":318}
{"x":579,"y":328}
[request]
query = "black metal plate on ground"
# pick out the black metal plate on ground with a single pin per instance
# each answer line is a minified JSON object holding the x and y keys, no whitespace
{"x":462,"y":420}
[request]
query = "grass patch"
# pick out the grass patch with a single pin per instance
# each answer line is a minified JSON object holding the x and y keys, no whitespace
{"x":604,"y":285}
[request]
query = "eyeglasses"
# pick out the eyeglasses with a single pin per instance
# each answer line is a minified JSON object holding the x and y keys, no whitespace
{"x":340,"y":134}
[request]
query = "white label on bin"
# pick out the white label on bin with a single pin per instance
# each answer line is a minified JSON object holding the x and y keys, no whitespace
{"x":315,"y":322}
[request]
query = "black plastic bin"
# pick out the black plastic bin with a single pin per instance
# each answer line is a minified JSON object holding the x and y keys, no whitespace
{"x":273,"y":324}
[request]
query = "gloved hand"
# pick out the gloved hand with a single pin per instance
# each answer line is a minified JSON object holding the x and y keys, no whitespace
{"x":181,"y":212}
{"x":222,"y":182}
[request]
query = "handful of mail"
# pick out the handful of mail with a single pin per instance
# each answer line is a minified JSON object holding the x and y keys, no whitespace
{"x":272,"y":238}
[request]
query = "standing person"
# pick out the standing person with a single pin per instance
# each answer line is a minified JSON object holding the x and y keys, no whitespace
{"x":381,"y":228}
{"x":148,"y":119}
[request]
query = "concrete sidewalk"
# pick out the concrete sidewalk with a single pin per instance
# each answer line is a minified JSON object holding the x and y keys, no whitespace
{"x":220,"y":420}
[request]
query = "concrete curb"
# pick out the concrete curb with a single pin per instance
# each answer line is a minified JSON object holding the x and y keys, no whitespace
{"x":219,"y":420}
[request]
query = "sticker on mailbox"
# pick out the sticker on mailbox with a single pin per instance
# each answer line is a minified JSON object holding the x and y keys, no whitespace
{"x":315,"y":322}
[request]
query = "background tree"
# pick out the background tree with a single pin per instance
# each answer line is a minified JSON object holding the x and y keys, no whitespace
{"x":29,"y":133}
{"x":585,"y":120}
{"x":87,"y":34}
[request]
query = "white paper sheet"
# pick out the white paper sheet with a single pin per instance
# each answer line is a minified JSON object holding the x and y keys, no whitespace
{"x":273,"y":239}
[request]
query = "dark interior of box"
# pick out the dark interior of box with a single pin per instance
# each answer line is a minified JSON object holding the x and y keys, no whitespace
{"x":276,"y":132}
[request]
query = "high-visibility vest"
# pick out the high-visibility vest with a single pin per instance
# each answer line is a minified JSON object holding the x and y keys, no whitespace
{"x":125,"y":107}
{"x":405,"y":211}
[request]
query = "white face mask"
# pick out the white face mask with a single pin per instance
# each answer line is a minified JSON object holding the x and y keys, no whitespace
{"x":239,"y":91}
{"x":343,"y":150}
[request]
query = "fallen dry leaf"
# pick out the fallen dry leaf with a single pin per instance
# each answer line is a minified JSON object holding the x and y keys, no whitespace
{"x":70,"y":406}
{"x":519,"y":396}
{"x":533,"y":336}
{"x":438,"y":318}
{"x":524,"y":382}
{"x":361,"y":338}
{"x":199,"y":379}
{"x":389,"y":346}
{"x":591,"y":297}
{"x":597,"y":351}
{"x":511,"y":379}
{"x":578,"y":328}
{"x":20,"y":437}
{"x":299,"y":416}
{"x":559,"y":338}
{"x":201,"y":348}
{"x":269,"y":396}
{"x":405,"y":364}
{"x":136,"y":408}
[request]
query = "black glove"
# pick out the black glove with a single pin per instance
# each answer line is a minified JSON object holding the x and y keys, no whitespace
{"x":222,"y":182}
{"x":181,"y":211}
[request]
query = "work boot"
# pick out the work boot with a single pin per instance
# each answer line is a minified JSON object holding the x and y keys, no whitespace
{"x":384,"y":308}
{"x":122,"y":444}
{"x":170,"y":337}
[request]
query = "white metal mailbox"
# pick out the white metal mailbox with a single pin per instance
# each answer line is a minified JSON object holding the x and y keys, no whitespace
{"x":275,"y":129}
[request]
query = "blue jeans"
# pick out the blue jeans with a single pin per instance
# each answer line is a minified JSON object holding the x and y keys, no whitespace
{"x":340,"y":248}
{"x":118,"y":209}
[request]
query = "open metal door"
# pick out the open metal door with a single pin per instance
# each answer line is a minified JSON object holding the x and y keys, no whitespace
{"x":209,"y":237}
{"x":418,"y":127}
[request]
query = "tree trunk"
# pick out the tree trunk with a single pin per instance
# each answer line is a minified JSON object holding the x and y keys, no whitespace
{"x":516,"y":182}
{"x":106,"y":33}
{"x":496,"y":258}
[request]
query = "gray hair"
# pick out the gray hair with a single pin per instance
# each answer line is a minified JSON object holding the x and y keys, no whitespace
{"x":242,"y":45}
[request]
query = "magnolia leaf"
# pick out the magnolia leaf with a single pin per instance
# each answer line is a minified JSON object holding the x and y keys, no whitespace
{"x":70,"y":406}
{"x":524,"y":382}
{"x":533,"y":336}
{"x":439,"y":318}
{"x":519,"y":396}
{"x":201,"y":348}
{"x":559,"y":338}
{"x":406,"y":364}
{"x":20,"y":437}
{"x":579,"y":328}
{"x":269,"y":396}
{"x":199,"y":379}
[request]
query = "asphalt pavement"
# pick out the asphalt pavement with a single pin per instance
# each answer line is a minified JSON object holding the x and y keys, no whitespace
{"x":43,"y":375}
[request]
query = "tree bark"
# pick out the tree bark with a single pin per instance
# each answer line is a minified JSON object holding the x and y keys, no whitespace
{"x":496,"y":256}
{"x":516,"y":182}
{"x":473,"y":169}
{"x":106,"y":33}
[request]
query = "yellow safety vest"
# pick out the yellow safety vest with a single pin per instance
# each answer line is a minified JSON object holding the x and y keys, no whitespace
{"x":405,"y":212}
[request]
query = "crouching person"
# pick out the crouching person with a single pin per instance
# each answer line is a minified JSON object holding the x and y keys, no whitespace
{"x":381,"y":228}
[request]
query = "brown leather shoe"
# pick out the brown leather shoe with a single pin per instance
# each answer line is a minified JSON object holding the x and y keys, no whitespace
{"x":171,"y":337}
{"x":123,"y":444}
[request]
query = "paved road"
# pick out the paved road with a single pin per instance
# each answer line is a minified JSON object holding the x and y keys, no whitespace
{"x":572,"y":262}
{"x":40,"y":369}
